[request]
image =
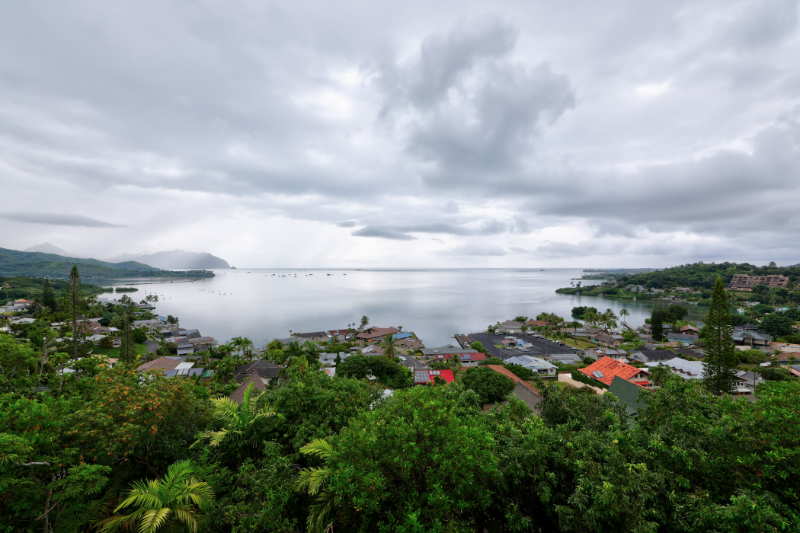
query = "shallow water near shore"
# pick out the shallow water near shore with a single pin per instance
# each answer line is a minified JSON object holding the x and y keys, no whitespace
{"x":263,"y":304}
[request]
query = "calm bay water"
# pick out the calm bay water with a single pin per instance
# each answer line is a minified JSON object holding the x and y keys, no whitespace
{"x":262,"y":304}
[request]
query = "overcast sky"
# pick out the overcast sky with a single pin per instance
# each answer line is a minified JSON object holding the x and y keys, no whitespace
{"x":403,"y":134}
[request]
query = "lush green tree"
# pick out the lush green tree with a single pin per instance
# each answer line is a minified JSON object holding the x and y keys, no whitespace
{"x":75,"y":304}
{"x":275,"y":344}
{"x":177,"y":498}
{"x":490,"y":386}
{"x":139,"y":335}
{"x":127,"y":348}
{"x":389,"y":348}
{"x":519,"y":371}
{"x":657,"y":324}
{"x":777,"y":325}
{"x":478,"y":345}
{"x":491,"y":361}
{"x":364,"y":322}
{"x":49,"y":296}
{"x":237,"y":420}
{"x":17,"y":366}
{"x":445,"y":455}
{"x":720,"y":359}
{"x":386,"y":371}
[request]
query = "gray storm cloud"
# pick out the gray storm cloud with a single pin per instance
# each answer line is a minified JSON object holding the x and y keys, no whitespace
{"x":508,"y":133}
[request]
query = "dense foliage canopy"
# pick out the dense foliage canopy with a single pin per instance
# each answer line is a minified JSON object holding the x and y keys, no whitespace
{"x":102,"y":446}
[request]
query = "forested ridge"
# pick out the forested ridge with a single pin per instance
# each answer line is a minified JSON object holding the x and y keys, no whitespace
{"x":37,"y":264}
{"x":703,"y":275}
{"x":337,"y":451}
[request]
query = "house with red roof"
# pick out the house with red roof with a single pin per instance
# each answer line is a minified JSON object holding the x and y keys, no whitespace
{"x":424,"y":377}
{"x":604,"y":370}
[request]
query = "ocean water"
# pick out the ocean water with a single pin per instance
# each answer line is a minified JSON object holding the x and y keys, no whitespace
{"x":263,"y":304}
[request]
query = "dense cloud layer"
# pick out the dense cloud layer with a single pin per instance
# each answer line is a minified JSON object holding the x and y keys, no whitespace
{"x":305,"y":134}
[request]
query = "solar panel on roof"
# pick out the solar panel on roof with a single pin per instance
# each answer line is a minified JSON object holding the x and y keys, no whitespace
{"x":421,"y":377}
{"x":435,"y":373}
{"x":597,"y":374}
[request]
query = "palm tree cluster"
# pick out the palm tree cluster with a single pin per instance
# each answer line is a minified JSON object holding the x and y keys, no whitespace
{"x":607,"y":319}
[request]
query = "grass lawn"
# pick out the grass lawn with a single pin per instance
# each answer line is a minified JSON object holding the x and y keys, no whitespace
{"x":499,"y":346}
{"x":578,"y":343}
{"x":113,"y":353}
{"x":562,"y":384}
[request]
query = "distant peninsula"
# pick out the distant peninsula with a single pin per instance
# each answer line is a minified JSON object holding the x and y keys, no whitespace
{"x":44,"y":265}
{"x":176,"y":259}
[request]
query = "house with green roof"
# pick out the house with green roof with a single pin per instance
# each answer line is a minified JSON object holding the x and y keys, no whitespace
{"x":628,"y":393}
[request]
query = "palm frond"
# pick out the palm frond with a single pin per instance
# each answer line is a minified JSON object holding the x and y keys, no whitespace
{"x":153,"y":519}
{"x":188,"y":518}
{"x":312,"y":479}
{"x":319,"y":510}
{"x":319,"y":447}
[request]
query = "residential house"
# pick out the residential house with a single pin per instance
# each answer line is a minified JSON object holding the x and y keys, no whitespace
{"x":564,"y":358}
{"x":538,"y":365}
{"x":746,"y":327}
{"x":448,"y":349}
{"x":319,"y":336}
{"x":536,"y":323}
{"x":746,"y":382}
{"x":609,"y":341}
{"x":751,"y":338}
{"x":266,"y":370}
{"x":410,"y":343}
{"x":258,"y":385}
{"x":697,"y":353}
{"x":375,"y":334}
{"x":467,"y":359}
{"x":599,"y":353}
{"x":510,"y":326}
{"x":688,"y":329}
{"x":162,"y":363}
{"x":795,"y":370}
{"x":628,"y":393}
{"x":402,"y":335}
{"x":372,"y":349}
{"x":606,"y":368}
{"x":682,"y":338}
{"x":646,"y":355}
{"x":185,"y":349}
{"x":522,"y":389}
{"x":688,"y":370}
{"x":785,"y":347}
{"x":329,"y":359}
{"x":425,"y":377}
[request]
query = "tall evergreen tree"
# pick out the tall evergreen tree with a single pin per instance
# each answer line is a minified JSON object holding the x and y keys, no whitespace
{"x":127,"y":349}
{"x":720,"y":359}
{"x":657,"y":325}
{"x":75,"y":304}
{"x":48,"y":296}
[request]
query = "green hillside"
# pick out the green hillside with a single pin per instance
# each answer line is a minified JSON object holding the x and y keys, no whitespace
{"x":37,"y":264}
{"x":31,"y":288}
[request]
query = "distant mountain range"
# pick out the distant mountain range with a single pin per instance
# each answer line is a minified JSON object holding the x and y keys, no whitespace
{"x":175,"y":259}
{"x":39,"y":264}
{"x":47,"y":248}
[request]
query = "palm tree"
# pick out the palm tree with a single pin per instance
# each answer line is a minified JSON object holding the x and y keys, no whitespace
{"x":389,"y":349}
{"x":624,"y":313}
{"x":364,"y":321}
{"x":246,"y":345}
{"x":167,"y":503}
{"x":313,"y":481}
{"x":236,"y":418}
{"x":311,"y":352}
{"x":610,"y":319}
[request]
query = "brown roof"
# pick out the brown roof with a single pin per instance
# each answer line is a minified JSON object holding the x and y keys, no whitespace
{"x":162,"y":363}
{"x":509,"y":374}
{"x":238,"y":394}
{"x":377,"y":332}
